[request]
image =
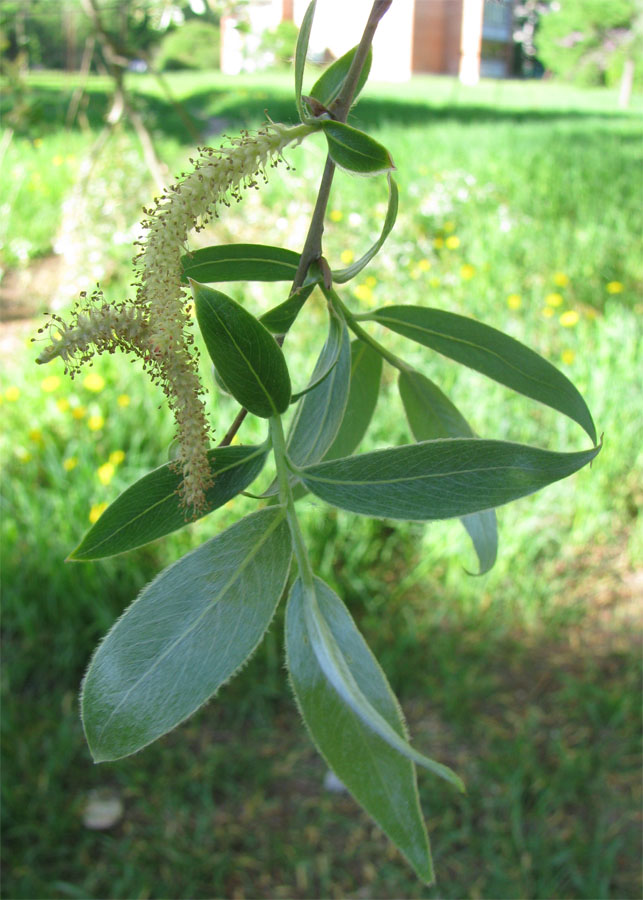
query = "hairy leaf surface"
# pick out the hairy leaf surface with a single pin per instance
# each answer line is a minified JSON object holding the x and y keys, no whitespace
{"x":280,"y":318}
{"x":151,"y":507}
{"x":366,"y":372}
{"x":378,"y":776}
{"x":439,"y":479}
{"x":328,"y":86}
{"x":320,"y":412}
{"x":244,"y":352}
{"x":185,"y":635}
{"x":491,"y":352}
{"x":431,"y":416}
{"x":239,"y":262}
{"x":355,"y":151}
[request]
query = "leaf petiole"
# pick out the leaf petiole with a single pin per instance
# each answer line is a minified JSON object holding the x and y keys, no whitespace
{"x":334,"y":299}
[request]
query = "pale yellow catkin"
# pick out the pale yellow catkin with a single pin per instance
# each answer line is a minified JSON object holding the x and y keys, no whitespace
{"x":155,"y":324}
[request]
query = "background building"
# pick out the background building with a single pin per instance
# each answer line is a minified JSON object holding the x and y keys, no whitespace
{"x":469,"y":38}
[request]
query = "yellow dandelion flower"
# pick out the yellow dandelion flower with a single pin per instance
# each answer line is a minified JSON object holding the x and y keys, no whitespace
{"x":116,"y":457}
{"x":35,"y":435}
{"x":70,"y":463}
{"x":568,"y":357}
{"x":424,"y":265}
{"x":79,"y":412}
{"x":452,"y":242}
{"x":123,"y":400}
{"x":63,"y":404}
{"x":449,"y":227}
{"x":614,"y":287}
{"x":569,"y":318}
{"x":96,"y":512}
{"x":58,"y":160}
{"x":434,"y":281}
{"x":548,"y":312}
{"x":12,"y":393}
{"x":105,"y":472}
{"x":467,"y":271}
{"x":514,"y":301}
{"x":554,"y":299}
{"x":347,"y":257}
{"x":95,"y":422}
{"x":560,"y":279}
{"x":438,"y":243}
{"x":370,"y":281}
{"x":94,"y":382}
{"x":49,"y":384}
{"x":336,"y":215}
{"x":364,"y":293}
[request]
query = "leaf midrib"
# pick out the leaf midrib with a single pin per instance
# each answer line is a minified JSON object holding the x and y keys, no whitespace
{"x":209,"y":605}
{"x":165,"y":498}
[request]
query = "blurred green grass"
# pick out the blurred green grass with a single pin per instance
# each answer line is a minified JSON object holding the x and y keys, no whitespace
{"x":519,"y":204}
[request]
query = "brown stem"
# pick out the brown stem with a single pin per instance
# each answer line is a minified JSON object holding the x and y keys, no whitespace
{"x":312,"y":249}
{"x":232,"y":430}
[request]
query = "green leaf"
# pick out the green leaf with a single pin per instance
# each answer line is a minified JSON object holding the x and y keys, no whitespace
{"x":343,"y":275}
{"x":280,"y":318}
{"x":491,"y":352}
{"x":328,"y":86}
{"x":151,"y":507}
{"x":245,"y":354}
{"x":334,"y":347}
{"x":439,"y":479}
{"x":432,"y":416}
{"x":320,"y":412}
{"x":366,"y":371}
{"x":356,"y":151}
{"x":239,"y":262}
{"x":379,"y":777}
{"x":301,"y":51}
{"x":185,"y":635}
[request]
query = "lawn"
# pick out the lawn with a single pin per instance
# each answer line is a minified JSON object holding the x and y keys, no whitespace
{"x":520,"y":205}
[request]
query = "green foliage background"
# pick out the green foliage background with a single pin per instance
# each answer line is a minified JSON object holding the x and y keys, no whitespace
{"x":518,"y":205}
{"x":588,"y":41}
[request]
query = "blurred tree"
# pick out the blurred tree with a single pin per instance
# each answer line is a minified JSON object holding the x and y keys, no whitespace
{"x":53,"y":33}
{"x":593,"y":42}
{"x":194,"y":45}
{"x":280,"y":42}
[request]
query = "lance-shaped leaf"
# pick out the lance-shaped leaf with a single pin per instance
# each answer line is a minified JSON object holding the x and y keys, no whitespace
{"x":185,"y":635}
{"x":432,"y":416}
{"x":328,"y":86}
{"x":491,"y":352}
{"x":439,"y":479}
{"x":244,"y":352}
{"x":320,"y":411}
{"x":343,"y":275}
{"x":301,"y":51}
{"x":280,"y":318}
{"x":151,"y":507}
{"x":379,"y":776}
{"x":239,"y":262}
{"x":355,"y":151}
{"x":366,"y":371}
